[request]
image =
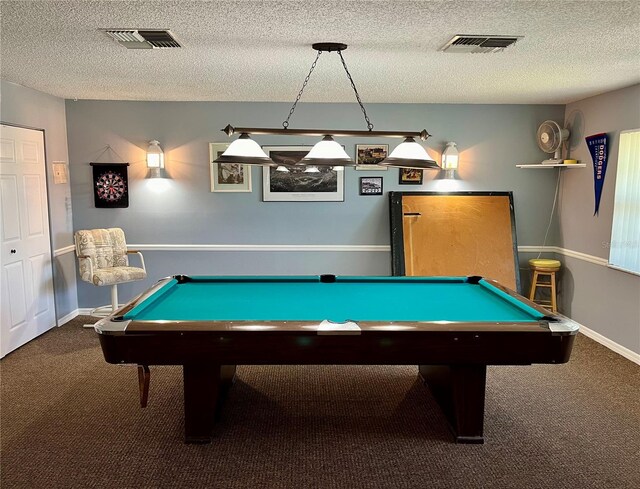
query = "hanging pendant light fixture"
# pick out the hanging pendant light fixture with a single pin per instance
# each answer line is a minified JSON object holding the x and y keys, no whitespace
{"x":327,"y":152}
{"x":245,"y":151}
{"x":410,"y":154}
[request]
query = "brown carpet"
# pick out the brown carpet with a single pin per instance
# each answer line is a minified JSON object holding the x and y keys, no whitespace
{"x":71,"y":420}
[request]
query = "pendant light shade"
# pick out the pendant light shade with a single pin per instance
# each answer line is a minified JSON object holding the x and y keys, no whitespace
{"x":246,"y":151}
{"x":327,"y":153}
{"x":410,"y":154}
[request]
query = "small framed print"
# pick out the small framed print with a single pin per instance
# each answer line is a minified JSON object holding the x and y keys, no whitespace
{"x":227,"y":177}
{"x":369,"y":155}
{"x":410,"y":176}
{"x":370,"y":185}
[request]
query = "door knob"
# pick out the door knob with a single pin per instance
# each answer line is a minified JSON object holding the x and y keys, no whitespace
{"x":13,"y":251}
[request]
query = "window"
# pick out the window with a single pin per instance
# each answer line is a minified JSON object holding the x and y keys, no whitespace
{"x":624,"y":252}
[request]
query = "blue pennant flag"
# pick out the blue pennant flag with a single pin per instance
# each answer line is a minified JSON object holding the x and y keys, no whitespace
{"x":599,"y":148}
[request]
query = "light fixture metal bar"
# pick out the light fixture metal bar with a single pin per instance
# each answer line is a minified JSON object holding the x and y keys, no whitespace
{"x":230,"y":130}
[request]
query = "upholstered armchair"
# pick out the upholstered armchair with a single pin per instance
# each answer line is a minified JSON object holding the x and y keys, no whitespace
{"x":103,"y":260}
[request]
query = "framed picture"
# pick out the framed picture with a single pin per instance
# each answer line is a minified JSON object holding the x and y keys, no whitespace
{"x":370,"y":185}
{"x":227,"y":177}
{"x":291,"y":183}
{"x":369,"y":155}
{"x":110,"y":185}
{"x":410,"y":176}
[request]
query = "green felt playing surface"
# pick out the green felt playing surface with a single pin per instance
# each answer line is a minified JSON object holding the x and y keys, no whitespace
{"x":349,"y":298}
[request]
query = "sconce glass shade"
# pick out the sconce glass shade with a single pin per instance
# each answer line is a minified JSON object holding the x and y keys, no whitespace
{"x":283,"y":169}
{"x":327,"y":153}
{"x":155,"y":155}
{"x":245,"y":151}
{"x":450,"y":157}
{"x":410,"y":154}
{"x":311,"y":169}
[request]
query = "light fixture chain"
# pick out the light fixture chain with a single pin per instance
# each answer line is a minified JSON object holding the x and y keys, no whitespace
{"x":355,"y":90}
{"x":285,"y":124}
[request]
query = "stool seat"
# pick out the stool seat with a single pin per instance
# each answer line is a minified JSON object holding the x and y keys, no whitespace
{"x":544,"y":263}
{"x":544,"y":267}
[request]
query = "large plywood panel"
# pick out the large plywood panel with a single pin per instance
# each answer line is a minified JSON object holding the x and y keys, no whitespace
{"x":459,"y":234}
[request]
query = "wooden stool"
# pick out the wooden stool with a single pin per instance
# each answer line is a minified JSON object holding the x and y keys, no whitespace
{"x":544,"y":268}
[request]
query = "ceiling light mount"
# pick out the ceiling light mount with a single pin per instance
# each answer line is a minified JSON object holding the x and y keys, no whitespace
{"x":329,"y":46}
{"x":327,"y":152}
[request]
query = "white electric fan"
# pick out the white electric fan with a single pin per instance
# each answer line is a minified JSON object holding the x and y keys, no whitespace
{"x":550,"y":137}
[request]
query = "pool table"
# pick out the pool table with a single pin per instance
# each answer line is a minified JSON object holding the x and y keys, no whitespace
{"x":450,"y":327}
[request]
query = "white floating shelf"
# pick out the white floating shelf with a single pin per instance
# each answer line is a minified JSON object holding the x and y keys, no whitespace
{"x":560,"y":165}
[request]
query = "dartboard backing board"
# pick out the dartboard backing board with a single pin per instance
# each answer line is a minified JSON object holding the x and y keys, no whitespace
{"x":110,"y":185}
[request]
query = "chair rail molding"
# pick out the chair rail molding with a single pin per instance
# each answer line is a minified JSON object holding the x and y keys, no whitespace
{"x":258,"y":247}
{"x":64,"y":250}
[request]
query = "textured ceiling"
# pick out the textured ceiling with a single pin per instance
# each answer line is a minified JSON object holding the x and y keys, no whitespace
{"x":260,"y":50}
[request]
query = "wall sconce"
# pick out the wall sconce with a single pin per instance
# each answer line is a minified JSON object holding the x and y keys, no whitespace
{"x":155,"y":155}
{"x":450,"y":157}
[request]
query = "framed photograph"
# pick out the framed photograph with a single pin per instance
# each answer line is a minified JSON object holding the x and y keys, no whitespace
{"x":370,"y":185}
{"x":410,"y":176}
{"x":291,"y":183}
{"x":227,"y":177}
{"x":369,"y":155}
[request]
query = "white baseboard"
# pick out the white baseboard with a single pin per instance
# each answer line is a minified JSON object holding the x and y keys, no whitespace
{"x":68,"y":317}
{"x":612,"y":345}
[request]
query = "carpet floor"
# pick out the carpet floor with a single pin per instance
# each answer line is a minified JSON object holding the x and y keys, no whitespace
{"x":70,"y":420}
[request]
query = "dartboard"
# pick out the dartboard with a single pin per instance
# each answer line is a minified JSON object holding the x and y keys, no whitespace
{"x":110,"y":186}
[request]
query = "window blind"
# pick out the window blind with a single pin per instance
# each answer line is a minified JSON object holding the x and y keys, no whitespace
{"x":624,"y":252}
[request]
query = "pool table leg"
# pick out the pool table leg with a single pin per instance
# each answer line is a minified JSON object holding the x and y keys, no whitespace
{"x":201,"y":386}
{"x":460,"y":390}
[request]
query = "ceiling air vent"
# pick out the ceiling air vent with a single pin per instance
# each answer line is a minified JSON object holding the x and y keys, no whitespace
{"x":479,"y":44}
{"x":143,"y":39}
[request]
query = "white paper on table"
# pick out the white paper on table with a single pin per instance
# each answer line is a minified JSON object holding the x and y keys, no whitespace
{"x":346,"y":328}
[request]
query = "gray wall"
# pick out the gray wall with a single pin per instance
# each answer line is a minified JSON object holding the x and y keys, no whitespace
{"x":492,"y":140}
{"x":27,"y":107}
{"x":603,"y":299}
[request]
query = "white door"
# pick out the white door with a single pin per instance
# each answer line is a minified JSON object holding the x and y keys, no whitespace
{"x":27,"y":306}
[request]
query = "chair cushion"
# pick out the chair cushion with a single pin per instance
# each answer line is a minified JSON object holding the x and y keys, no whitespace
{"x":117,"y":275}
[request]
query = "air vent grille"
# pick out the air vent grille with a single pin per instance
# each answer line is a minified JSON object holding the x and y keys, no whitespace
{"x":159,"y":39}
{"x":463,"y":44}
{"x":143,"y":39}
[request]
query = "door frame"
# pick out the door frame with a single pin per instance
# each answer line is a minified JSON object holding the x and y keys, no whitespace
{"x":46,"y":174}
